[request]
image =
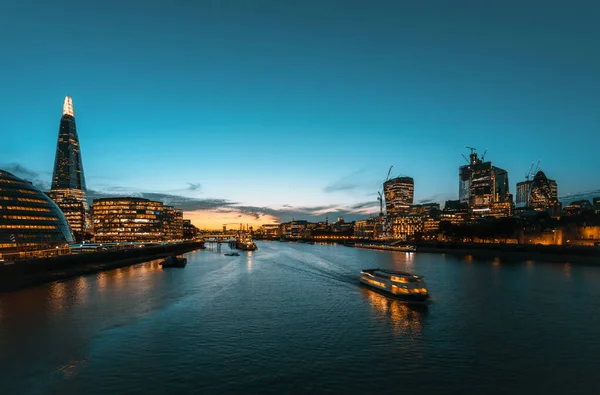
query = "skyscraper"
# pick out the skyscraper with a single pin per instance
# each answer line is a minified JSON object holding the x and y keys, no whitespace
{"x":68,"y":181}
{"x":399,"y":193}
{"x":484,"y":187}
{"x":541,"y":194}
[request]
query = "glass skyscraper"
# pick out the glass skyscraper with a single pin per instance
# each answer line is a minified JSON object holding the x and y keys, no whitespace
{"x":68,"y":181}
{"x":399,"y":193}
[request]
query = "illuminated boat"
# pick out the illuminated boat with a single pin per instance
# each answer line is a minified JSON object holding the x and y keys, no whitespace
{"x":401,"y":285}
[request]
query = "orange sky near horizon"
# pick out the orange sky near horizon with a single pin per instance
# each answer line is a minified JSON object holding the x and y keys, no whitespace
{"x":215,"y":219}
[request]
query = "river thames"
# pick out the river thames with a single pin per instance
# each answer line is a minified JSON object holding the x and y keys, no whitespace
{"x":291,"y":318}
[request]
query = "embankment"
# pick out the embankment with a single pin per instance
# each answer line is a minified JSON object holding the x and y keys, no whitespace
{"x":32,"y":272}
{"x":516,"y":252}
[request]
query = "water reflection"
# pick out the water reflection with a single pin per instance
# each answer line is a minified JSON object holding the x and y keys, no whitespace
{"x":249,"y":261}
{"x":405,"y":318}
{"x":567,"y":270}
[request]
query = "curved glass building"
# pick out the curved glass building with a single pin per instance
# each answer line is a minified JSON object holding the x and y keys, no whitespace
{"x":30,"y":222}
{"x":399,"y":193}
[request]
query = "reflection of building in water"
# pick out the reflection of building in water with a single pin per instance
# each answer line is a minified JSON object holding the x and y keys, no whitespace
{"x":405,"y":318}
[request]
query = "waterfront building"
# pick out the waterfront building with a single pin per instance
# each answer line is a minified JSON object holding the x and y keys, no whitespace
{"x":481,"y":185}
{"x":190,"y":232}
{"x":597,"y":205}
{"x":172,"y":220}
{"x":406,"y":226}
{"x":296,"y":229}
{"x":68,"y":181}
{"x":426,"y":209}
{"x":128,"y":219}
{"x":399,"y":194}
{"x":30,"y":222}
{"x":268,"y":231}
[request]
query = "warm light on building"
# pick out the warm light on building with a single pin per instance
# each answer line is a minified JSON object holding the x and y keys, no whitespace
{"x":68,"y":181}
{"x":30,"y":222}
{"x":135,"y":220}
{"x":399,"y":194}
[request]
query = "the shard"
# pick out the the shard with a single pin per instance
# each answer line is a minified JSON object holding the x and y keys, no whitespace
{"x":68,"y":181}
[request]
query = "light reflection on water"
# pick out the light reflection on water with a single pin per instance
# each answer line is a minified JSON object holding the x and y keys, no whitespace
{"x":288,"y":314}
{"x":406,"y":318}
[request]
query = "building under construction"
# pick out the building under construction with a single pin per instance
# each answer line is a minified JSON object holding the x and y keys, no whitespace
{"x":484,"y":187}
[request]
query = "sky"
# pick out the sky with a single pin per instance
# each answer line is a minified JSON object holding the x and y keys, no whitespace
{"x":265,"y":110}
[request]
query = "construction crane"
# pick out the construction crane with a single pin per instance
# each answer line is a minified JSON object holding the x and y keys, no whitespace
{"x":379,"y":196}
{"x":532,"y":172}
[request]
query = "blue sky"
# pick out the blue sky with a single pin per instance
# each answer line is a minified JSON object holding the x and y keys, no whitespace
{"x":281,"y":104}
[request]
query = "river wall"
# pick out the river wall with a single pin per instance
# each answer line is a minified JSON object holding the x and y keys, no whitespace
{"x":516,"y":252}
{"x":26,"y":273}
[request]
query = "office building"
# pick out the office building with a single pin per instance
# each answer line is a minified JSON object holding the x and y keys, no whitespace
{"x":481,"y":185}
{"x":129,"y":219}
{"x":172,"y":219}
{"x":190,"y":232}
{"x":30,"y":222}
{"x":399,"y":194}
{"x":540,"y":194}
{"x":68,"y":181}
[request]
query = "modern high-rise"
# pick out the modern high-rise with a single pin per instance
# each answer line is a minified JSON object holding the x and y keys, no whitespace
{"x":540,"y":194}
{"x":484,"y":187}
{"x":68,"y":181}
{"x":399,"y":194}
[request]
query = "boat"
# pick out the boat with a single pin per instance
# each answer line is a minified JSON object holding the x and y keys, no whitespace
{"x":174,"y":261}
{"x":400,"y":285}
{"x":232,"y":254}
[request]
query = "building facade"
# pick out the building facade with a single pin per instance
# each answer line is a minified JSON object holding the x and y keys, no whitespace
{"x":135,"y":220}
{"x":190,"y":232}
{"x":483,"y":185}
{"x":172,"y":219}
{"x":399,"y":194}
{"x":30,"y":222}
{"x":540,"y":194}
{"x":68,"y":180}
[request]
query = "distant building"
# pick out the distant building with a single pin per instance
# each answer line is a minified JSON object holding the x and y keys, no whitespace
{"x":406,"y":226}
{"x":189,"y":230}
{"x":172,"y":220}
{"x":426,"y":209}
{"x":30,"y":222}
{"x":540,"y":193}
{"x":578,"y":207}
{"x":269,"y":231}
{"x":481,"y":185}
{"x":597,"y":205}
{"x":129,"y":219}
{"x":399,"y":194}
{"x":68,"y":181}
{"x":455,"y":212}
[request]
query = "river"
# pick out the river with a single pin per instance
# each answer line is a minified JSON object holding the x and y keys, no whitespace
{"x":291,"y":318}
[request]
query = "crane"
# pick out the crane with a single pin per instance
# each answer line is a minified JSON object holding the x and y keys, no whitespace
{"x":379,"y":196}
{"x":528,"y":174}
{"x":483,"y":156}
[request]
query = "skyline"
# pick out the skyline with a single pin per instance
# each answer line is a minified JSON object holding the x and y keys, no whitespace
{"x":311,"y":126}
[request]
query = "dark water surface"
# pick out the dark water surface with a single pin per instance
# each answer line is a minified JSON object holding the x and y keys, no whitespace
{"x":290,"y":318}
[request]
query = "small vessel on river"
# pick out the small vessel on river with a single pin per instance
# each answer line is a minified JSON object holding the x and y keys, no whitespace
{"x":401,"y":285}
{"x":174,"y":261}
{"x":232,"y":254}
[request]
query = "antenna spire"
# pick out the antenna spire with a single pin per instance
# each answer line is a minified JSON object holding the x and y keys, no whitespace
{"x":68,"y":107}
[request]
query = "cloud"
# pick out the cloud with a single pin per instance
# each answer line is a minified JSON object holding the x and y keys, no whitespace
{"x":339,"y":186}
{"x":368,"y":204}
{"x":25,"y":173}
{"x":437,"y":198}
{"x":346,"y":183}
{"x":194,"y":186}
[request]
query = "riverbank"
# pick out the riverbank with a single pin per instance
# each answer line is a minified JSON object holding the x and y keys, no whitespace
{"x":516,"y":252}
{"x":32,"y":272}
